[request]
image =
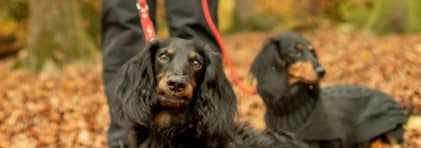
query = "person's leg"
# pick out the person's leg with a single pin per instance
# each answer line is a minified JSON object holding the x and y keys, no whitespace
{"x":121,"y":38}
{"x":186,"y":19}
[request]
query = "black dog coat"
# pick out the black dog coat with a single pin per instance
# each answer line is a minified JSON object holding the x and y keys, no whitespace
{"x":336,"y":116}
{"x":353,"y":114}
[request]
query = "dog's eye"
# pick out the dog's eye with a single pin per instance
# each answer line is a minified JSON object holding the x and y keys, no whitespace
{"x":298,"y":46}
{"x":310,"y":48}
{"x":196,"y":64}
{"x":298,"y":50}
{"x":163,"y":57}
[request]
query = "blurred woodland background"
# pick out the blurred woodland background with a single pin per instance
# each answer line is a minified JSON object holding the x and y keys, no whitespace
{"x":51,"y":91}
{"x":41,"y":26}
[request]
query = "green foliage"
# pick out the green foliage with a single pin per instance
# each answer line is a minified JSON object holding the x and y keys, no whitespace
{"x":226,"y":15}
{"x":90,"y":11}
{"x":16,"y":9}
{"x":354,"y":11}
{"x":414,"y":16}
{"x":395,"y":17}
{"x":14,"y":16}
{"x":380,"y":18}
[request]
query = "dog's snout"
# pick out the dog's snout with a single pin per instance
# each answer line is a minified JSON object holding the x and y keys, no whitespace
{"x":318,"y":68}
{"x":177,"y":83}
{"x":320,"y":71}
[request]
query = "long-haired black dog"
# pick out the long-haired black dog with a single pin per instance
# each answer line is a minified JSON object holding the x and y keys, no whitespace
{"x":288,"y":73}
{"x":176,"y":95}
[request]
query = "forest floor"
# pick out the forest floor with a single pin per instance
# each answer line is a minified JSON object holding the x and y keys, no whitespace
{"x":68,"y":108}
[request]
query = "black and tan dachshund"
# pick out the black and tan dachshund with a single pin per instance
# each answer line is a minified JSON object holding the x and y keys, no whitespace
{"x":342,"y":116}
{"x":177,"y":96}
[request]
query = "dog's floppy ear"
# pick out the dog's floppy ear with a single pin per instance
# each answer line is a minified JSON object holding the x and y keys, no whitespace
{"x":216,"y":102}
{"x":136,"y":85}
{"x":270,"y":71}
{"x":268,"y":59}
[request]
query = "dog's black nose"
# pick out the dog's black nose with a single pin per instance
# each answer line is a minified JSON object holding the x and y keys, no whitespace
{"x":176,"y":84}
{"x":320,"y":71}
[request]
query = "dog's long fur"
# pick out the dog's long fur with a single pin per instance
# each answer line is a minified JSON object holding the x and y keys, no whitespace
{"x":208,"y":121}
{"x":336,"y":116}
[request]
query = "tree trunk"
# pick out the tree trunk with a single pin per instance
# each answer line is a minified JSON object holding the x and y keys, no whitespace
{"x":388,"y":16}
{"x":244,"y":13}
{"x":306,"y":13}
{"x":56,"y":34}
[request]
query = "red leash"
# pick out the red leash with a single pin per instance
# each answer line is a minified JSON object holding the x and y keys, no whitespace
{"x":224,"y":50}
{"x":145,"y":20}
{"x":149,"y":32}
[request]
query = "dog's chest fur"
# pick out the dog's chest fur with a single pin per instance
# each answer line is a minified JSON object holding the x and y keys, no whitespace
{"x":182,"y":137}
{"x":291,"y":113}
{"x":180,"y":141}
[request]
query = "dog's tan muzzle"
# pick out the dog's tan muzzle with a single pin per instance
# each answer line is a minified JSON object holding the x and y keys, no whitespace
{"x":305,"y":72}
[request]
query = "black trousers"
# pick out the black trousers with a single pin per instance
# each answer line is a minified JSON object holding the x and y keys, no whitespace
{"x":122,"y":38}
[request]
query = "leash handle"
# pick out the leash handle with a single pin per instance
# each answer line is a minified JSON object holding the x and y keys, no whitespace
{"x":145,"y":20}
